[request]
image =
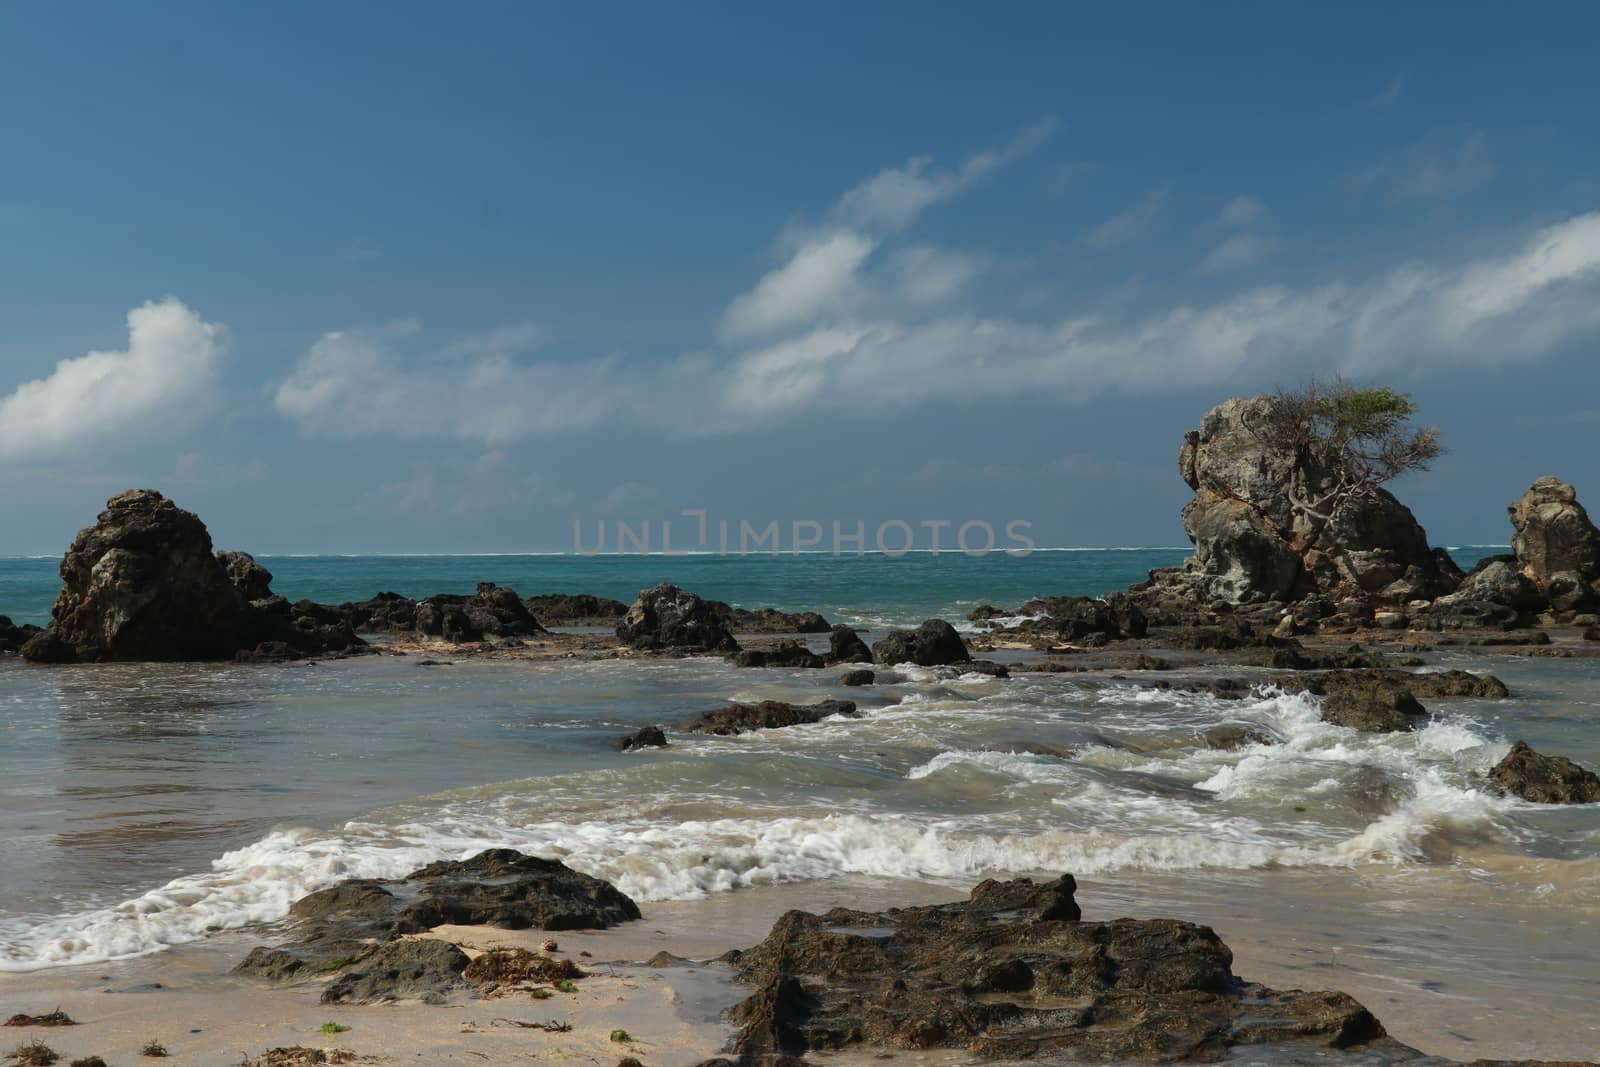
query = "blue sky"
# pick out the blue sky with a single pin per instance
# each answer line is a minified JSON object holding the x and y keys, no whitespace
{"x":401,"y":277}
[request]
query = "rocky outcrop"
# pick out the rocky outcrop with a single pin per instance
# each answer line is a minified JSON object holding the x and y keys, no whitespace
{"x":144,"y":584}
{"x":1372,"y":705}
{"x":1254,"y":544}
{"x":422,"y":969}
{"x":1014,"y":973}
{"x":766,"y":715}
{"x":644,"y":737}
{"x":493,"y":611}
{"x":935,"y":643}
{"x":13,"y":637}
{"x":846,"y":646}
{"x":1543,"y":779}
{"x":782,"y":654}
{"x":1556,"y":546}
{"x":575,"y":609}
{"x":384,"y":613}
{"x":857,"y":677}
{"x":499,"y":887}
{"x":668,"y":618}
{"x":770,"y":620}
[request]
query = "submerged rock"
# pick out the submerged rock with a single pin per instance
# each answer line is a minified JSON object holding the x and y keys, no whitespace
{"x":767,"y":715}
{"x":668,"y":618}
{"x":645,"y":737}
{"x":1013,"y":972}
{"x":1371,"y":705}
{"x":782,"y":654}
{"x":935,"y":643}
{"x":857,"y":677}
{"x":1545,"y":779}
{"x":846,"y":646}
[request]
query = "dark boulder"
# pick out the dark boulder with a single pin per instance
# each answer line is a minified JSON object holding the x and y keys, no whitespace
{"x":1014,"y":973}
{"x":934,"y":643}
{"x":575,"y":609}
{"x":644,"y":737}
{"x":668,"y":618}
{"x":1072,"y":618}
{"x":770,"y":620}
{"x":857,"y":677}
{"x":251,"y":579}
{"x":1371,"y":705}
{"x":767,"y":715}
{"x":846,"y":646}
{"x":493,"y":611}
{"x":384,"y":613}
{"x":782,"y":654}
{"x":422,"y":969}
{"x":1543,"y":779}
{"x":13,"y":637}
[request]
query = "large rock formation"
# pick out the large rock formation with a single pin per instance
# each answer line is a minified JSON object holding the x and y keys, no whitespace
{"x":666,"y":617}
{"x":934,"y":643}
{"x":575,"y":609}
{"x":144,"y":584}
{"x":1556,"y":546}
{"x":1542,"y":779}
{"x":1013,"y":973}
{"x":493,"y":611}
{"x":1254,"y":544}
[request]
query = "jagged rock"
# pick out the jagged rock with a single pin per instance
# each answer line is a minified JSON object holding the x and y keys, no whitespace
{"x":271,"y":965}
{"x":644,"y":737}
{"x":783,"y":654}
{"x":580,"y":609}
{"x":1553,"y":534}
{"x":934,"y":643}
{"x":857,"y":677}
{"x":253,"y":581}
{"x":985,"y":666}
{"x":1227,"y":736}
{"x":493,"y":611}
{"x":666,"y":617}
{"x":1455,"y":612}
{"x":13,"y":637}
{"x":1014,"y":973}
{"x":1371,"y":705}
{"x":1072,"y":618}
{"x":767,"y":715}
{"x":384,"y":613}
{"x":1252,"y":544}
{"x":334,"y":927}
{"x":143,"y":584}
{"x":1498,"y":580}
{"x":423,"y":969}
{"x":1545,"y":779}
{"x":846,"y":646}
{"x":1430,"y":684}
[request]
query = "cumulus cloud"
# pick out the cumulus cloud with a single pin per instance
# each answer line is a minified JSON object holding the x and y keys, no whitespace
{"x":1237,"y":252}
{"x":1129,"y":226}
{"x":1242,"y":211}
{"x":166,"y":375}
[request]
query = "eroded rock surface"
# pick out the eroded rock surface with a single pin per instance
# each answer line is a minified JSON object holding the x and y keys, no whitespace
{"x":1545,"y":779}
{"x":1012,"y":972}
{"x":766,"y":715}
{"x":668,"y":618}
{"x":933,"y":644}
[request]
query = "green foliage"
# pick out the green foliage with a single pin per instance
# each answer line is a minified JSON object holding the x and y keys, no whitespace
{"x":621,"y":1035}
{"x":567,"y":985}
{"x":334,"y":1028}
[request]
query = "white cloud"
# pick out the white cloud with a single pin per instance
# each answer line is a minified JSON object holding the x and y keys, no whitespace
{"x":892,"y":199}
{"x":166,"y":375}
{"x":1237,"y":252}
{"x":1241,"y":211}
{"x":819,"y":277}
{"x":1128,"y":226}
{"x":927,"y":274}
{"x":355,"y":382}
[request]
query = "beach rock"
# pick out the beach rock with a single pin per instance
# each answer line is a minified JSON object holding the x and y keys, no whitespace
{"x":857,"y":677}
{"x":1014,"y":973}
{"x":1072,"y":618}
{"x":578,"y":609}
{"x":1252,"y":544}
{"x":499,"y":966}
{"x":1458,"y":612}
{"x":13,"y":637}
{"x":143,"y":584}
{"x":492,"y":611}
{"x":251,"y":579}
{"x":271,"y":965}
{"x":1543,"y":779}
{"x":645,"y":737}
{"x":1371,"y":705}
{"x":1447,"y":684}
{"x":668,"y":618}
{"x":1553,"y":535}
{"x":770,"y":620}
{"x":846,"y":646}
{"x":384,"y":613}
{"x":767,"y":715}
{"x":1232,"y":735}
{"x":934,"y":643}
{"x":424,"y":969}
{"x":1498,"y":580}
{"x":783,"y":654}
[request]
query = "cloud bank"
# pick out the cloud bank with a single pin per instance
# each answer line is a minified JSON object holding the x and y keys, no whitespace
{"x":166,"y":375}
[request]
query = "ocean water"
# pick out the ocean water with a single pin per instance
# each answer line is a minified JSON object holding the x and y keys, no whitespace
{"x":150,"y":806}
